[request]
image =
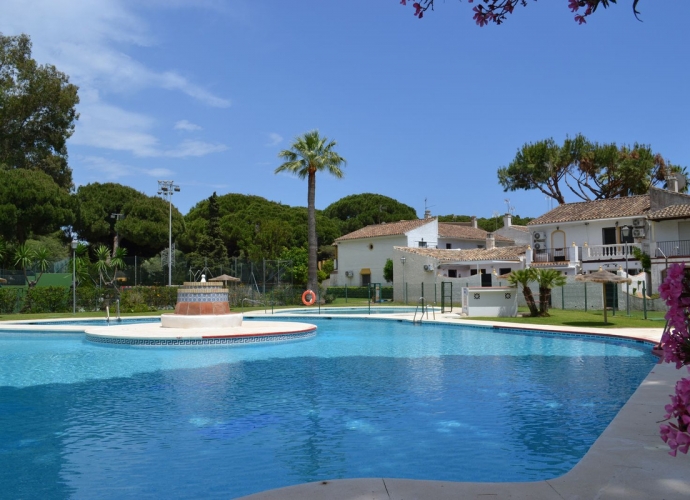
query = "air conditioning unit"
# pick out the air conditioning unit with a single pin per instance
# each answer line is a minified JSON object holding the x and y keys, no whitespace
{"x":638,"y":233}
{"x":349,"y":274}
{"x":428,"y":267}
{"x":638,"y":222}
{"x":539,"y":236}
{"x":539,"y":246}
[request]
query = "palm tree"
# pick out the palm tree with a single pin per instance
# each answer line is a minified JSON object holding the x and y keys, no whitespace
{"x":311,"y":153}
{"x":25,"y":257}
{"x":523,"y":277}
{"x":547,"y":279}
{"x":106,"y":263}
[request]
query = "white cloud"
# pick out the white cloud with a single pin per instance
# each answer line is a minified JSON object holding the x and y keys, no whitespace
{"x":194,"y":148}
{"x":87,"y":39}
{"x":111,"y":170}
{"x":92,"y":42}
{"x":275,"y":139}
{"x":158,"y":172}
{"x":109,"y":127}
{"x":186,"y":125}
{"x":106,"y":169}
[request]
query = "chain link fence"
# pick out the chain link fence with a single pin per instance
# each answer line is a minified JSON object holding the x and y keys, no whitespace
{"x":572,"y":296}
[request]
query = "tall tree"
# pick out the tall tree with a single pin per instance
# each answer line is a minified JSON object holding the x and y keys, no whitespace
{"x":100,"y":210}
{"x":31,"y":203}
{"x":37,"y":112}
{"x":311,"y":153}
{"x":210,"y":250}
{"x":496,"y":11}
{"x":146,"y":225}
{"x":359,"y":210}
{"x":590,"y":171}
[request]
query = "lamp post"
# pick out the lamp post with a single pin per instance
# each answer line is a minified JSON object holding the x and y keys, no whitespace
{"x":74,"y":244}
{"x":117,"y":217}
{"x":166,"y":189}
{"x":625,"y":231}
{"x":402,"y":259}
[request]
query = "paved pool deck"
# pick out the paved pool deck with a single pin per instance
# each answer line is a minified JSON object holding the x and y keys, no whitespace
{"x":628,"y":461}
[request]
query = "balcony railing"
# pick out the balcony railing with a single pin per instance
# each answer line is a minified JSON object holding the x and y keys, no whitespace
{"x":551,"y":255}
{"x":674,"y":248}
{"x":609,"y":252}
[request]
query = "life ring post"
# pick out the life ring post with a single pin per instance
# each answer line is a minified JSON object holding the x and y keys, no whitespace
{"x":308,"y":298}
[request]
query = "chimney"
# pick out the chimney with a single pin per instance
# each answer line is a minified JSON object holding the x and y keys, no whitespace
{"x":474,"y":221}
{"x":507,"y":220}
{"x":427,"y":214}
{"x":490,"y":241}
{"x":672,"y":182}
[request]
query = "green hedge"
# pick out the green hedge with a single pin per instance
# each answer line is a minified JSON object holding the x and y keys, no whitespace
{"x":359,"y":292}
{"x":147,"y":298}
{"x":47,"y":299}
{"x":10,"y":300}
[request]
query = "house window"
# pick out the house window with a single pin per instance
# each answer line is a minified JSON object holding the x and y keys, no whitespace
{"x":448,"y":246}
{"x":473,"y":272}
{"x":504,"y":270}
{"x":422,"y":244}
{"x":366,"y":279}
{"x":452,"y":273}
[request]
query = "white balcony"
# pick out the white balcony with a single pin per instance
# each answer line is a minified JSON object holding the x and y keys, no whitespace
{"x":609,"y":252}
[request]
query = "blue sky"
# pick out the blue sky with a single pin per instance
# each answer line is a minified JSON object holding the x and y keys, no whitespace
{"x":207,"y":92}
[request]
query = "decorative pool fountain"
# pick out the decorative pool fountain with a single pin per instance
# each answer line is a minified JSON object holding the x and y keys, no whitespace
{"x":202,"y":317}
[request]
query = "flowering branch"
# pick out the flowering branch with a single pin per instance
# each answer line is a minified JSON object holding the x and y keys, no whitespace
{"x":675,"y":342}
{"x":495,"y":11}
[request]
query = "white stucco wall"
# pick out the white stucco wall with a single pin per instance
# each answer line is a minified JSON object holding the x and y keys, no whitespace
{"x":372,"y":253}
{"x":519,"y":237}
{"x":666,"y":230}
{"x":428,"y":233}
{"x":369,"y":253}
{"x":461,"y":244}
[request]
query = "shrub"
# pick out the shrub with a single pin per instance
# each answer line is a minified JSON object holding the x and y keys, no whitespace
{"x":9,"y":299}
{"x":47,"y":299}
{"x":148,"y":298}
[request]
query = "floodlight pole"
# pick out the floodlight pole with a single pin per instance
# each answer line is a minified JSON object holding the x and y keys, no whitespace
{"x":166,"y":189}
{"x":75,"y":243}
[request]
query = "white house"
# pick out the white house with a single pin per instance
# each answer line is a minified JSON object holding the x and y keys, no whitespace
{"x":362,"y":254}
{"x":427,"y":271}
{"x":584,"y":236}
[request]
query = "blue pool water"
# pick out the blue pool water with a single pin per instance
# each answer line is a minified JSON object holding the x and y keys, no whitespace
{"x":361,"y":399}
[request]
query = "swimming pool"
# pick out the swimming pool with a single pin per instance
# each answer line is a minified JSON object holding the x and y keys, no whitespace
{"x":362,"y":399}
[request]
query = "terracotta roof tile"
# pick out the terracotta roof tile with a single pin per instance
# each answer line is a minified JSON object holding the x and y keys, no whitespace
{"x":671,"y":212}
{"x":385,"y":229}
{"x":498,"y":253}
{"x":446,"y":230}
{"x":598,"y":209}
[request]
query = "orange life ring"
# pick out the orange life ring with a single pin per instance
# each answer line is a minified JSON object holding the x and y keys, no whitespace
{"x":311,"y":300}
